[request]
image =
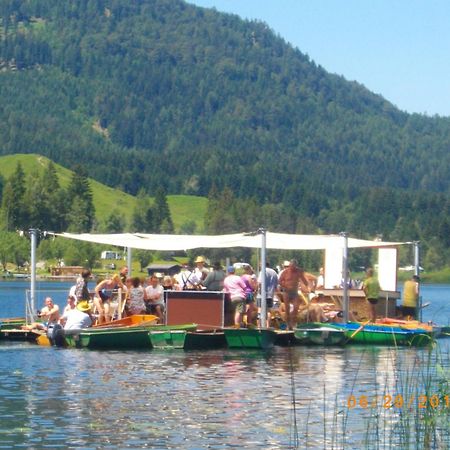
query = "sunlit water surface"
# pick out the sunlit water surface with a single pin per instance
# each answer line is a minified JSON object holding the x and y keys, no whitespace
{"x":299,"y":397}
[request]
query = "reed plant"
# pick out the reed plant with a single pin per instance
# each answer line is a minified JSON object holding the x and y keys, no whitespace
{"x":408,"y":409}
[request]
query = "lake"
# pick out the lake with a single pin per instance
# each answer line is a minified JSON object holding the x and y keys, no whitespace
{"x":300,"y":397}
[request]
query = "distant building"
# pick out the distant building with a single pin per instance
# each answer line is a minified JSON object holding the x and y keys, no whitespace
{"x":166,"y":269}
{"x":109,"y":254}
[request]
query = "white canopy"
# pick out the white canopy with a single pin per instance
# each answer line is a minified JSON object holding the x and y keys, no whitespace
{"x":172,"y":242}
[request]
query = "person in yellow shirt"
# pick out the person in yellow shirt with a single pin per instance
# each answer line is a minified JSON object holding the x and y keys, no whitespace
{"x":410,"y":297}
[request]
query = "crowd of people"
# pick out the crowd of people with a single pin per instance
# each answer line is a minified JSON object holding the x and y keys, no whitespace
{"x":291,"y":295}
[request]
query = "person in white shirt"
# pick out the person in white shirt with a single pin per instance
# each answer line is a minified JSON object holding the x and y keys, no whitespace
{"x":154,"y":298}
{"x":78,"y":318}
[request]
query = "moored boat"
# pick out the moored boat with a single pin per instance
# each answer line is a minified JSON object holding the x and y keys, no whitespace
{"x":119,"y":338}
{"x":167,"y":339}
{"x":204,"y":340}
{"x":111,"y":339}
{"x":261,"y":338}
{"x":320,"y":335}
{"x":131,"y":321}
{"x":372,"y":334}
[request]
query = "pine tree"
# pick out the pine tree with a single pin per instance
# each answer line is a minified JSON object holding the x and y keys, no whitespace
{"x":81,"y":214}
{"x":162,"y":217}
{"x":15,"y":214}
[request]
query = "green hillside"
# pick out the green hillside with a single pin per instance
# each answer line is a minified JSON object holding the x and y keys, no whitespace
{"x":163,"y":96}
{"x":184,"y":208}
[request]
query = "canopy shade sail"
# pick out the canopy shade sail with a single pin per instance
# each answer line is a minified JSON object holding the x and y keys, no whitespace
{"x":172,"y":242}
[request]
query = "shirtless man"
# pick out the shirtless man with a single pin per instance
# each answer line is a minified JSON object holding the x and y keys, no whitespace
{"x":49,"y":314}
{"x":289,"y":283}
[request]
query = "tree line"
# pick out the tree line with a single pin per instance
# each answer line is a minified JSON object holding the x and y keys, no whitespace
{"x":159,"y":95}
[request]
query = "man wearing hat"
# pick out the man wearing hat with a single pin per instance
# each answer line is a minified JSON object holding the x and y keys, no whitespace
{"x":78,"y":318}
{"x":200,"y":271}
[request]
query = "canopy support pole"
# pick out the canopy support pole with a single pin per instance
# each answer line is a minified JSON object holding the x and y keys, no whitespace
{"x":417,"y":273}
{"x":345,"y":276}
{"x":129,"y":261}
{"x":263,"y":318}
{"x":33,"y":235}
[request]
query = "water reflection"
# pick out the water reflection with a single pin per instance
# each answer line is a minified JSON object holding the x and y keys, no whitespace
{"x":219,"y":399}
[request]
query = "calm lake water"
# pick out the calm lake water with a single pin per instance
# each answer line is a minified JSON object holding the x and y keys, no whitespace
{"x":299,"y":397}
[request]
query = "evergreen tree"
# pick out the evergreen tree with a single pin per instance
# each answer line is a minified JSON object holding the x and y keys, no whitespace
{"x":15,"y":214}
{"x":162,"y":217}
{"x":81,"y":214}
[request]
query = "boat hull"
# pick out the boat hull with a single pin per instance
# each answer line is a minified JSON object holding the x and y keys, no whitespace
{"x":120,"y":338}
{"x":250,"y":338}
{"x":131,"y":321}
{"x":167,"y":339}
{"x":323,"y":335}
{"x":107,"y":339}
{"x":384,"y":335}
{"x":205,"y":340}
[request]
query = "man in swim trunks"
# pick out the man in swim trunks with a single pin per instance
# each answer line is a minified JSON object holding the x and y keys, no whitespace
{"x":289,"y":283}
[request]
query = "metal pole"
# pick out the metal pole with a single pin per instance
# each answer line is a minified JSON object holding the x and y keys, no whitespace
{"x":263,"y":319}
{"x":416,"y":258}
{"x":417,"y":273}
{"x":345,"y":276}
{"x":129,"y":261}
{"x":33,"y":236}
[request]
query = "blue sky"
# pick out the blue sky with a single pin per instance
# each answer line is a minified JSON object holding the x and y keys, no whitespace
{"x":397,"y":48}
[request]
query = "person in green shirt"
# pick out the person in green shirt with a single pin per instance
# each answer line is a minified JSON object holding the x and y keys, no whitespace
{"x":371,"y":288}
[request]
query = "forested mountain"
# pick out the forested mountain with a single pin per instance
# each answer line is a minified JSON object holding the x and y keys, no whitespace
{"x":160,"y":93}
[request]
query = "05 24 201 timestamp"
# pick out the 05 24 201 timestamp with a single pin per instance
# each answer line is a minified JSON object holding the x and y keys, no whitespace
{"x":399,"y":401}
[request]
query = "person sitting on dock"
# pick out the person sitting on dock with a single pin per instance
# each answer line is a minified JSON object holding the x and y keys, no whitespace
{"x":289,"y":280}
{"x":78,"y":318}
{"x":136,"y":296}
{"x":103,"y":294}
{"x":154,"y":298}
{"x":71,"y":304}
{"x":49,"y":314}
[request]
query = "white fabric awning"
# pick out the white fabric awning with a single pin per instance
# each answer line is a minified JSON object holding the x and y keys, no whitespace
{"x":172,"y":242}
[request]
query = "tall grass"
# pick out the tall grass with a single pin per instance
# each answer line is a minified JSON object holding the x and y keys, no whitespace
{"x":401,"y":418}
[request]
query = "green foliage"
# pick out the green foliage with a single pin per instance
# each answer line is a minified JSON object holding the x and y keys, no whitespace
{"x":13,"y":248}
{"x":163,"y":96}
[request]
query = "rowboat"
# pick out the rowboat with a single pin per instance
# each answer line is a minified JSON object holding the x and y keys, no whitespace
{"x":130,"y":321}
{"x":312,"y":334}
{"x":374,"y":334}
{"x":204,"y":340}
{"x":167,"y":339}
{"x":250,"y":338}
{"x":107,"y":338}
{"x":119,"y":338}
